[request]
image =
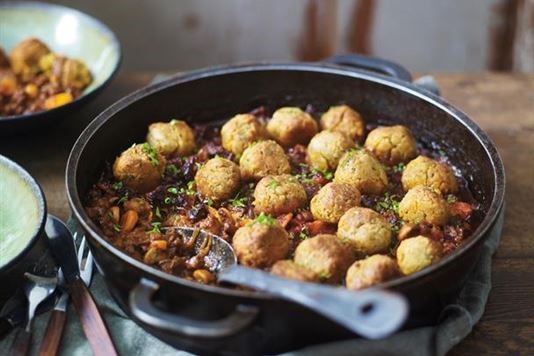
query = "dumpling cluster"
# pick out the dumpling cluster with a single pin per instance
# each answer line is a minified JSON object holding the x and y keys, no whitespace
{"x":352,"y":243}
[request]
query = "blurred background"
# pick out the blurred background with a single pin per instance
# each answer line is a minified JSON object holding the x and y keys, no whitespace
{"x":423,"y":35}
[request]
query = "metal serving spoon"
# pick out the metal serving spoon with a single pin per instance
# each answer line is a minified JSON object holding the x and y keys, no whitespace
{"x":371,"y":313}
{"x":37,"y":289}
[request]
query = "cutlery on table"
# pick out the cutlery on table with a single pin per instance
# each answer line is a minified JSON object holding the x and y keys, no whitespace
{"x":58,"y":317}
{"x":37,"y":289}
{"x":64,"y":252}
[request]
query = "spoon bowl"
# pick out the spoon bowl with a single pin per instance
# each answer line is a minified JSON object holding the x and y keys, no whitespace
{"x":37,"y":289}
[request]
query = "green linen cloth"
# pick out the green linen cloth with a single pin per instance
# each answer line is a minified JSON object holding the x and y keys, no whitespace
{"x":456,"y":323}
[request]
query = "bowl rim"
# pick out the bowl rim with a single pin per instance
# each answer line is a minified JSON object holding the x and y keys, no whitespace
{"x":51,"y":7}
{"x":41,"y":201}
{"x":461,"y":118}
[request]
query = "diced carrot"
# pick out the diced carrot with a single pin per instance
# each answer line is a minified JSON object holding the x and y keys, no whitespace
{"x":285,"y":219}
{"x":58,"y":100}
{"x":7,"y":85}
{"x":159,"y":244}
{"x":320,"y":227}
{"x":203,"y":276}
{"x":461,"y":209}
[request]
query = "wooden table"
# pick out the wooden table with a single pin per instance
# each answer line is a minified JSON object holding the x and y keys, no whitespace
{"x":501,"y":104}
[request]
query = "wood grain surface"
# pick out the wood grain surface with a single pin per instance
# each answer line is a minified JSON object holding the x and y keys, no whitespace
{"x":502,"y":104}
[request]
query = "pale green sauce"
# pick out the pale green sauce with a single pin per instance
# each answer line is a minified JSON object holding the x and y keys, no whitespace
{"x":19,"y":214}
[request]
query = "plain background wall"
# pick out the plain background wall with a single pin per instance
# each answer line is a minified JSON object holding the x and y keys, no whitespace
{"x":423,"y":35}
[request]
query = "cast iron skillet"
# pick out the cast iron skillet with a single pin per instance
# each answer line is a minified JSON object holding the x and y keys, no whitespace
{"x":203,"y":318}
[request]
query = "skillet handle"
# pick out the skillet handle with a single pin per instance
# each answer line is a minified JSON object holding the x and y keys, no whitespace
{"x":141,"y":305}
{"x":371,"y":313}
{"x":385,"y":67}
{"x":372,"y":64}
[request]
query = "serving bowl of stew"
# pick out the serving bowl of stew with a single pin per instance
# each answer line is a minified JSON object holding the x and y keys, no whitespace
{"x":313,"y":172}
{"x":52,"y":60}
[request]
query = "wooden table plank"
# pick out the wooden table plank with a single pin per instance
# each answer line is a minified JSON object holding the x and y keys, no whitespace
{"x":501,"y":104}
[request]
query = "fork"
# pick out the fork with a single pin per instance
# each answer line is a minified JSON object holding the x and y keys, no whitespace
{"x":58,"y":317}
{"x":85,"y":263}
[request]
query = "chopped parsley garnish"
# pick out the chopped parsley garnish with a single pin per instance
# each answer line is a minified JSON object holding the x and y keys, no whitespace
{"x":264,"y":219}
{"x":349,"y":155}
{"x":305,"y":178}
{"x":274,"y":183}
{"x":238,"y":201}
{"x":117,"y":185}
{"x":451,"y":199}
{"x":308,"y":177}
{"x":155,"y":227}
{"x":123,"y":198}
{"x":388,"y":202}
{"x":188,"y":190}
{"x":328,"y":175}
{"x":158,"y":213}
{"x":172,"y":169}
{"x":208,"y":201}
{"x":324,"y":275}
{"x":151,"y":153}
{"x":172,"y":190}
{"x":398,"y":168}
{"x":304,"y":234}
{"x":117,"y":227}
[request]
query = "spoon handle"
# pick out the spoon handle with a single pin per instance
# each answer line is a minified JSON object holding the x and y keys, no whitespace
{"x":371,"y":313}
{"x":21,"y":344}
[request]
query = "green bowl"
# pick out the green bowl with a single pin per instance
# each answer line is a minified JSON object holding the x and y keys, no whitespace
{"x":65,"y":31}
{"x":22,"y":219}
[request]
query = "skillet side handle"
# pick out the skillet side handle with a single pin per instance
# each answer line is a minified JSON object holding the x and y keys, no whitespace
{"x":141,"y":305}
{"x":373,"y":64}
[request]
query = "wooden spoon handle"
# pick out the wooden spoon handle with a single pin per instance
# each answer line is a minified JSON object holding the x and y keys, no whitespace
{"x":93,"y":324}
{"x":21,"y":345}
{"x":54,"y":331}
